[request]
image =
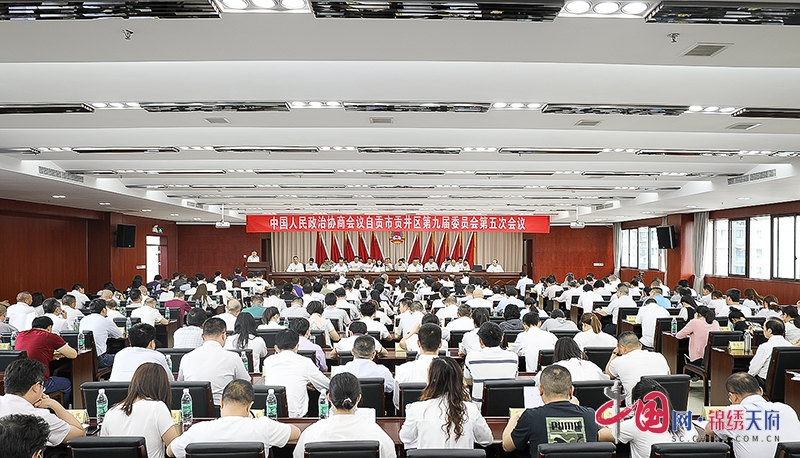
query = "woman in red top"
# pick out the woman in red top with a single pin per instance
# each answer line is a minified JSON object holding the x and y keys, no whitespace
{"x":697,"y":331}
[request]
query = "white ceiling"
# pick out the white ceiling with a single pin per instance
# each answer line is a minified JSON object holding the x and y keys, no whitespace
{"x":287,"y":57}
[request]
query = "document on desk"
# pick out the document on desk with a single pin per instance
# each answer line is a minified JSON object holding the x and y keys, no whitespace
{"x":532,"y":397}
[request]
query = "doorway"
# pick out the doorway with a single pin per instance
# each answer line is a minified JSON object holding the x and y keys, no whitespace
{"x":156,"y":257}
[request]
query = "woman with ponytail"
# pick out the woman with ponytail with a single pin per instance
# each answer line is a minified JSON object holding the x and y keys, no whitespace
{"x":444,"y":417}
{"x":343,"y":424}
{"x":592,"y":334}
{"x":697,"y":331}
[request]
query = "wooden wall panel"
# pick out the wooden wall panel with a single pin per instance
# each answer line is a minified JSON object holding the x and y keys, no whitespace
{"x":788,"y":292}
{"x":573,"y":250}
{"x":206,"y":248}
{"x":124,"y":260}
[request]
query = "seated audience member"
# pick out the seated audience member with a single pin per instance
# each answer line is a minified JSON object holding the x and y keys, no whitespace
{"x":737,"y":322}
{"x":489,"y":363}
{"x":719,"y":303}
{"x":647,"y":316}
{"x":345,"y":345}
{"x":791,"y":321}
{"x":287,"y":368}
{"x":24,"y":388}
{"x":235,"y":424}
{"x":271,"y":318}
{"x":232,"y":310}
{"x":148,"y":314}
{"x":409,"y":318}
{"x":103,"y":328}
{"x":510,"y":298}
{"x":558,"y":322}
{"x":317,"y":323}
{"x":44,"y":346}
{"x":332,"y":311}
{"x":450,"y":309}
{"x":178,"y":303}
{"x":629,"y":363}
{"x":145,"y":411}
{"x":256,"y":308}
{"x":592,"y":334}
{"x":21,"y":314}
{"x":512,"y":319}
{"x":532,"y":307}
{"x":697,"y":331}
{"x":565,"y":297}
{"x":411,"y":341}
{"x":344,"y":424}
{"x":368,"y":312}
{"x":530,"y":428}
{"x":211,"y":362}
{"x":642,"y":441}
{"x":745,"y":396}
{"x":589,"y":296}
{"x":73,"y":315}
{"x":771,"y":308}
{"x":416,"y":371}
{"x":759,"y":366}
{"x":688,"y":308}
{"x":622,"y":299}
{"x":363,"y":366}
{"x":296,"y":310}
{"x":464,"y":322}
{"x":244,"y":337}
{"x":529,"y":343}
{"x":732,"y":297}
{"x":301,"y":327}
{"x":470,"y":341}
{"x":444,"y":417}
{"x":52,"y":309}
{"x":191,"y":335}
{"x":566,"y":353}
{"x":23,"y":436}
{"x":142,"y":338}
{"x":478,"y":300}
{"x":5,"y":327}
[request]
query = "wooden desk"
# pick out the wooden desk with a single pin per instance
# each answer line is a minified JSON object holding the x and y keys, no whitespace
{"x":626,"y":326}
{"x":575,"y":314}
{"x":165,"y":333}
{"x":674,"y":350}
{"x":81,"y":370}
{"x":792,"y":394}
{"x":494,"y":279}
{"x":723,"y":364}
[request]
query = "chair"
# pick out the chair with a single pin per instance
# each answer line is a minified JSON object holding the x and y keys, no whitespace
{"x":578,"y":450}
{"x":456,"y":337}
{"x":103,"y":447}
{"x":715,"y":339}
{"x":545,"y":358}
{"x":309,"y":354}
{"x":665,"y":325}
{"x":9,"y":356}
{"x":343,"y":449}
{"x":565,"y":333}
{"x":71,"y":337}
{"x":783,"y":358}
{"x":115,"y":392}
{"x":345,"y":358}
{"x":722,"y":320}
{"x":677,"y":386}
{"x":787,"y":450}
{"x":599,"y":355}
{"x":691,"y":450}
{"x":501,"y":395}
{"x":248,"y":354}
{"x":175,"y":354}
{"x":591,"y":393}
{"x":226,"y":449}
{"x":445,"y":453}
{"x":120,"y":322}
{"x":375,"y":334}
{"x":318,"y":337}
{"x":261,"y":393}
{"x":622,"y":315}
{"x":202,"y":398}
{"x":335,"y":323}
{"x":269,"y":336}
{"x":511,"y":335}
{"x":372,"y":395}
{"x":409,"y":392}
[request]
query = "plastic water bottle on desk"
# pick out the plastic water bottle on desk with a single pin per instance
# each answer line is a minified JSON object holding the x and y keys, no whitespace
{"x":272,"y":405}
{"x":244,"y":361}
{"x":323,"y":404}
{"x":166,"y":313}
{"x":13,"y":339}
{"x":82,"y":343}
{"x":169,"y":362}
{"x":102,"y":406}
{"x":128,"y":325}
{"x":673,"y":327}
{"x":748,"y":342}
{"x":187,"y":416}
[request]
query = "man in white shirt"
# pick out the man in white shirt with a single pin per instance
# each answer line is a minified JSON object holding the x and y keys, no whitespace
{"x":332,"y":310}
{"x":232,"y":310}
{"x":553,"y":289}
{"x":647,"y":317}
{"x":355,"y":265}
{"x":763,"y":420}
{"x":25,"y":395}
{"x":622,"y":299}
{"x":363,"y":366}
{"x":148,"y":313}
{"x":345,"y":345}
{"x":463,"y":264}
{"x":296,"y":265}
{"x":287,"y":368}
{"x":368,"y":317}
{"x":478,"y":300}
{"x":311,"y":266}
{"x":191,"y":335}
{"x":719,"y":304}
{"x":629,"y":363}
{"x":236,"y":424}
{"x":565,"y":298}
{"x":21,"y":314}
{"x":103,"y":328}
{"x":453,"y":267}
{"x":142,"y":337}
{"x":410,"y":316}
{"x":490,"y":363}
{"x":511,"y":298}
{"x":430,"y":340}
{"x":588,"y":297}
{"x":52,"y":310}
{"x":297,"y":310}
{"x":274,"y":300}
{"x":78,"y":292}
{"x":415,"y":266}
{"x":464,"y":321}
{"x":732,"y":297}
{"x":431,"y":265}
{"x":708,"y":288}
{"x":774,"y":331}
{"x":523,"y":281}
{"x":401,"y":265}
{"x":211,"y":362}
{"x":340,"y":266}
{"x":450,"y":309}
{"x":530,"y":342}
{"x":73,"y":314}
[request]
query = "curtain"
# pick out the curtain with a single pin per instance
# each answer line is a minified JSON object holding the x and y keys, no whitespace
{"x":699,"y":249}
{"x":617,"y":234}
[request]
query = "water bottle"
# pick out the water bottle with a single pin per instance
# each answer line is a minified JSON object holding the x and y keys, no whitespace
{"x":169,"y":362}
{"x":102,"y":405}
{"x":323,"y":404}
{"x":82,"y":343}
{"x":75,"y":325}
{"x":673,"y":327}
{"x":748,"y":342}
{"x":256,"y":362}
{"x":166,"y":313}
{"x":128,"y":325}
{"x":187,"y":417}
{"x":272,"y":405}
{"x":244,"y":361}
{"x":13,"y":339}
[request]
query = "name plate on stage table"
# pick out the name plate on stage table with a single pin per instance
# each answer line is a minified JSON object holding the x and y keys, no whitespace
{"x":736,"y":346}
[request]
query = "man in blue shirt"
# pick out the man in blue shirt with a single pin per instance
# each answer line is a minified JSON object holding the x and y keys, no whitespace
{"x":655,"y":293}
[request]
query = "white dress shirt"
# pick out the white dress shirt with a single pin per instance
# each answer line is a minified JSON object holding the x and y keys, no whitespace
{"x":591,"y":339}
{"x":587,"y":300}
{"x":632,"y":366}
{"x":102,"y":329}
{"x":59,"y":429}
{"x":339,"y":268}
{"x":234,"y":429}
{"x":80,"y":298}
{"x":366,"y":368}
{"x":21,"y":315}
{"x":296,"y":267}
{"x":521,"y":284}
{"x":647,"y":317}
{"x":408,"y":321}
{"x":188,"y":337}
{"x":312,"y":267}
{"x":463,"y":323}
{"x":411,"y":372}
{"x":529,"y":343}
{"x":345,"y":428}
{"x":345,"y":345}
{"x":479,"y":302}
{"x":148,"y":315}
{"x":425,"y":421}
{"x":287,"y":368}
{"x":431,"y":267}
{"x":581,"y":370}
{"x":211,"y":362}
{"x":414,"y":268}
{"x":58,"y":323}
{"x":149,"y":419}
{"x":615,"y":304}
{"x":494,"y":268}
{"x":255,"y":343}
{"x":490,"y":363}
{"x":130,"y":358}
{"x":229,"y":319}
{"x":759,"y":365}
{"x":373,"y":325}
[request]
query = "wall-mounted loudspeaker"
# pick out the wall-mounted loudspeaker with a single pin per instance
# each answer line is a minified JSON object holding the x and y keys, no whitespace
{"x":126,"y":236}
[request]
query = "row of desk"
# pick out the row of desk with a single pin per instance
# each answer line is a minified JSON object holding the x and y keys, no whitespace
{"x":494,"y":279}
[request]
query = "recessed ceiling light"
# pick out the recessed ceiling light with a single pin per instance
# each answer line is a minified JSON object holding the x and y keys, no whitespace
{"x":695,"y":108}
{"x":517,"y":105}
{"x":534,"y":105}
{"x":646,"y":213}
{"x":634,"y":8}
{"x":132,"y":104}
{"x":691,"y":206}
{"x":315,"y":104}
{"x":606,"y":8}
{"x":174,"y":214}
{"x":116,"y":105}
{"x":264,"y":3}
{"x":711,"y":109}
{"x":333,"y":104}
{"x":235,"y":4}
{"x":577,"y":7}
{"x":99,"y":105}
{"x":298,"y":104}
{"x":743,"y":198}
{"x":293,"y":4}
{"x":196,"y":218}
{"x":727,"y":110}
{"x":105,"y":203}
{"x":146,"y":210}
{"x":58,"y":196}
{"x":499,"y":105}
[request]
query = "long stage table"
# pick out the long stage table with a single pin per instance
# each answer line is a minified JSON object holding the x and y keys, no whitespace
{"x":494,"y":279}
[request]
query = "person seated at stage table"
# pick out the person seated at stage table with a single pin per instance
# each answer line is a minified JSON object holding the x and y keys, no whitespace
{"x":592,"y":334}
{"x":102,"y":328}
{"x":463,"y":264}
{"x":311,"y":266}
{"x":401,"y":265}
{"x":494,"y":267}
{"x":344,"y":424}
{"x":355,"y":265}
{"x":142,"y":338}
{"x":295,"y":265}
{"x":431,"y":265}
{"x":340,"y":266}
{"x":378,"y":267}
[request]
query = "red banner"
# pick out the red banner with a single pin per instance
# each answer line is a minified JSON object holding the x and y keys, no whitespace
{"x":482,"y":223}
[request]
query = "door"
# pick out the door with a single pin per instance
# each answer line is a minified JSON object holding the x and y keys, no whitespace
{"x":156,"y":257}
{"x":527,"y":256}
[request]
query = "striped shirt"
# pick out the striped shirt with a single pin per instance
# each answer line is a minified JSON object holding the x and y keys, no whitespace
{"x":490,"y":363}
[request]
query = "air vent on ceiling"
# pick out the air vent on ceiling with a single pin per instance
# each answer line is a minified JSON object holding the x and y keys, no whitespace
{"x":744,"y":126}
{"x":428,"y":107}
{"x":42,"y":108}
{"x":702,"y":12}
{"x":160,"y":9}
{"x":544,"y":151}
{"x":154,"y":150}
{"x":601,"y":174}
{"x":411,"y":150}
{"x":755,"y":176}
{"x":175,"y":107}
{"x":485,"y":10}
{"x":217,"y":120}
{"x":266,"y":149}
{"x":404,"y":172}
{"x":604,"y":206}
{"x":381,"y":120}
{"x":312,"y":186}
{"x":53,"y":173}
{"x":705,"y":49}
{"x":26,"y":151}
{"x":587,"y":123}
{"x":779,"y":113}
{"x":401,"y":186}
{"x":192,"y":204}
{"x":293,"y":172}
{"x":629,"y":110}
